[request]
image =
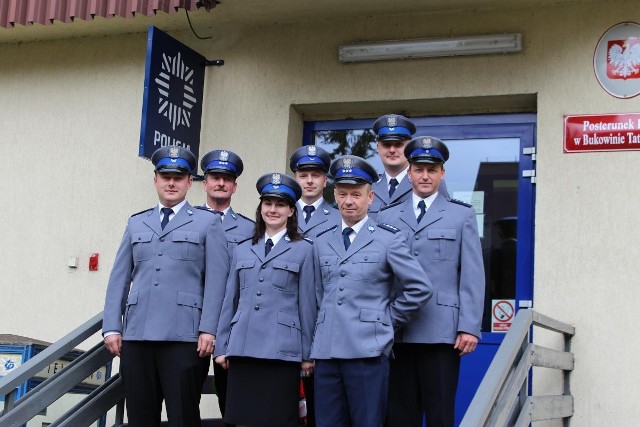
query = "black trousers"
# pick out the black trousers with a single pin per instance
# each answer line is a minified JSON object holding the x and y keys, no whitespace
{"x":423,"y":379}
{"x":153,"y":371}
{"x":220,"y":379}
{"x":307,"y":383}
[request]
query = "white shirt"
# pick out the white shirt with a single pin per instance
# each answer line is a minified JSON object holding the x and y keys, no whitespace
{"x":315,"y":204}
{"x":276,"y":237}
{"x":398,"y":177}
{"x":356,"y":227}
{"x":175,"y":209}
{"x":427,"y":202}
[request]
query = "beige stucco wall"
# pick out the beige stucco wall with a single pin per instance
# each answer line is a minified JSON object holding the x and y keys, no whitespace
{"x":70,"y":119}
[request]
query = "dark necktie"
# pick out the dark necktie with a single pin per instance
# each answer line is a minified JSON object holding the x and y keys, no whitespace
{"x":308,"y":210}
{"x":345,"y":236}
{"x":423,"y":210}
{"x":393,"y":183}
{"x":165,"y":219}
{"x":267,"y":246}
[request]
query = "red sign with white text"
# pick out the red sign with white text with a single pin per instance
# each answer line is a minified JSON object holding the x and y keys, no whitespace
{"x":608,"y":132}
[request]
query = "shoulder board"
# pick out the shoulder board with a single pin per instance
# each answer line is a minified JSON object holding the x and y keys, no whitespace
{"x":308,"y":240}
{"x":328,"y":229}
{"x":141,"y":212}
{"x":460,"y":202}
{"x":399,"y":202}
{"x":202,"y":208}
{"x":245,"y":217}
{"x":388,"y":227}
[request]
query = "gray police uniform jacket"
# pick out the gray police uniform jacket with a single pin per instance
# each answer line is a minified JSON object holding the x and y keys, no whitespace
{"x":324,"y":217}
{"x":381,"y":194}
{"x":168,"y":285}
{"x":447,"y":245}
{"x":237,"y":229}
{"x":269,"y":307}
{"x":357,"y":317}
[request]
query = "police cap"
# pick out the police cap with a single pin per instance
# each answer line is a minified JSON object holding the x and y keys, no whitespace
{"x":393,"y":127}
{"x":280,"y":186}
{"x":426,"y":149}
{"x":353,"y":170}
{"x":310,"y":157}
{"x":174,"y":159}
{"x":222,"y":161}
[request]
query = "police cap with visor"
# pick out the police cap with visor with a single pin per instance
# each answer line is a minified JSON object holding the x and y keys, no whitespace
{"x":310,"y":157}
{"x":174,"y":159}
{"x":280,"y":186}
{"x":222,"y":161}
{"x":353,"y":170}
{"x":426,"y":149}
{"x":393,"y":127}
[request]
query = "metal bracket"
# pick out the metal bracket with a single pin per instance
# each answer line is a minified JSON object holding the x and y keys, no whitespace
{"x":529,"y":151}
{"x":530,"y":173}
{"x":214,"y":62}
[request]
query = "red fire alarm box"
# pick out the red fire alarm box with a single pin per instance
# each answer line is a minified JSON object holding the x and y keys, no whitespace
{"x":93,"y":262}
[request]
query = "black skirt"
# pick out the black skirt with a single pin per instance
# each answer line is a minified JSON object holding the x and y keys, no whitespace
{"x":262,"y":393}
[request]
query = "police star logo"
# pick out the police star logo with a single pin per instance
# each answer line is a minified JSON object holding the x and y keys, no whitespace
{"x":276,"y":179}
{"x":426,"y":143}
{"x":312,"y":150}
{"x":174,"y":152}
{"x":392,"y":121}
{"x":224,"y":156}
{"x":175,"y":83}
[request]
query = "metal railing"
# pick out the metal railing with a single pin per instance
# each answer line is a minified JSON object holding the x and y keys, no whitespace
{"x":503,"y":396}
{"x":92,"y":407}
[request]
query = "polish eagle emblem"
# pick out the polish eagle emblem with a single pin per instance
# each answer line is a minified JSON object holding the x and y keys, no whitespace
{"x":623,"y":59}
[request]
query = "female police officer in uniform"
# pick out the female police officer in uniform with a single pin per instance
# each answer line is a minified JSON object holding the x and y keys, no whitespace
{"x":268,"y":314}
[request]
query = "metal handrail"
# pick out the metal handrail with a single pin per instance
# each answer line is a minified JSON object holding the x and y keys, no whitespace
{"x":20,"y":411}
{"x":502,"y":398}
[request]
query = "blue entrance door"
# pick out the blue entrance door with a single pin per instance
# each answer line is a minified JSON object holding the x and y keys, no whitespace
{"x":491,"y":166}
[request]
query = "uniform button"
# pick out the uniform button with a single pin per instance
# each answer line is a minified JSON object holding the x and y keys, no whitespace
{"x":158,"y":269}
{"x":261,"y":279}
{"x":162,"y":239}
{"x":293,"y":323}
{"x":366,"y":258}
{"x":285,"y":266}
{"x":415,"y":254}
{"x":256,"y":308}
{"x":441,"y":234}
{"x":339,"y":302}
{"x":263,"y":267}
{"x":378,"y":318}
{"x":259,"y":293}
{"x":341,"y":288}
{"x":326,"y":262}
{"x":417,"y":238}
{"x":186,"y":238}
{"x":159,"y":253}
{"x":235,"y":240}
{"x":155,"y":283}
{"x":343,"y":274}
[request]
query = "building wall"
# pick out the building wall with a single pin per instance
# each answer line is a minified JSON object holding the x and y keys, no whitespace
{"x":71,"y":117}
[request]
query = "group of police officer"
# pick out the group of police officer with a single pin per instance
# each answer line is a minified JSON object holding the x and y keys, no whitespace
{"x":398,"y":272}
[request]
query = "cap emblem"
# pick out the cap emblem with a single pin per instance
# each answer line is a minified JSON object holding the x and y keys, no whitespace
{"x":224,"y":156}
{"x":346,"y":164}
{"x":174,"y":152}
{"x":311,"y":150}
{"x":426,"y":143}
{"x":392,"y":121}
{"x":276,"y":179}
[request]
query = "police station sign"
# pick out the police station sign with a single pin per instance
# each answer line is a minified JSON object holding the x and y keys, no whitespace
{"x":173,"y":92}
{"x":608,"y":132}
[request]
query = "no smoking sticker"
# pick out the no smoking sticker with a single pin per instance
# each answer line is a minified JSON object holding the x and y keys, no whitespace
{"x":502,"y":313}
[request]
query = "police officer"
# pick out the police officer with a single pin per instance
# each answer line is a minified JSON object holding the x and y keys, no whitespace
{"x":310,"y":165}
{"x":269,"y":312}
{"x":164,"y":298}
{"x":221,"y":170}
{"x":357,"y":262}
{"x":443,"y":236}
{"x":393,"y":132}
